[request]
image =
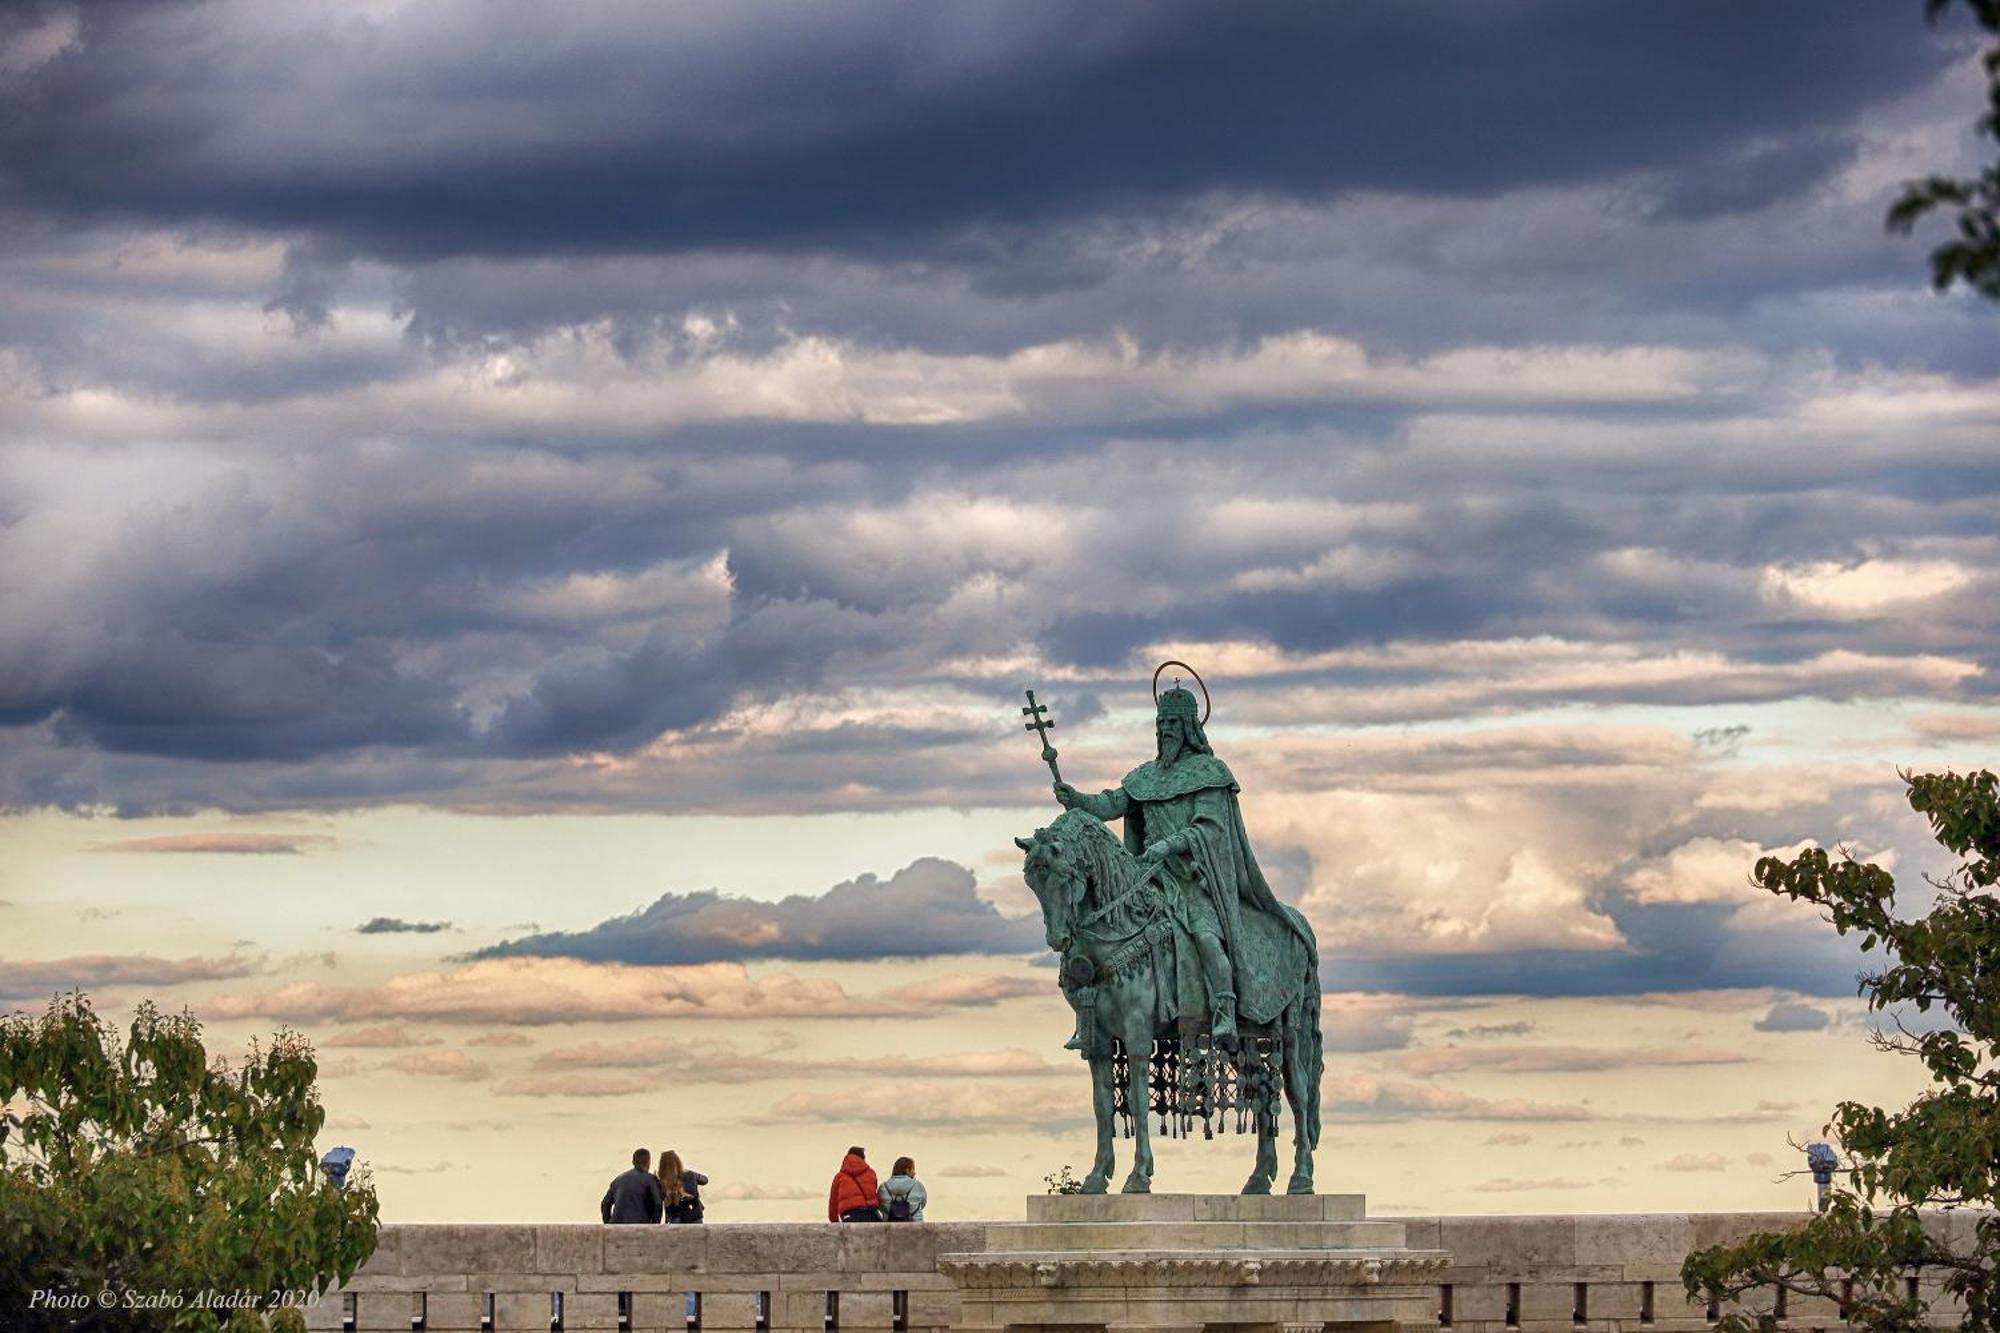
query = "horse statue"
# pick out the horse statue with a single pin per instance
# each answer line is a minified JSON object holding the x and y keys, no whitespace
{"x":1131,"y":971}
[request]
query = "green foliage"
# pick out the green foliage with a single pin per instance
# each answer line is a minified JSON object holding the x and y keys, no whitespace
{"x":142,"y":1167}
{"x":1062,"y":1182}
{"x":1972,"y":256}
{"x":1943,"y":1150}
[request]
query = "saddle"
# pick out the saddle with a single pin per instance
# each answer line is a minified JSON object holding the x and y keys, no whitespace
{"x":1262,"y":992}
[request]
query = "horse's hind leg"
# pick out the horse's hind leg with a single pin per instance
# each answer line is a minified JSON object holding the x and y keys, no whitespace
{"x":1298,"y":1069}
{"x":1103,"y":1103}
{"x":1266,"y":1168}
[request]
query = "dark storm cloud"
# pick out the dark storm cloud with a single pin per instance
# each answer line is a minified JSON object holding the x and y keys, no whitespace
{"x":393,"y":925}
{"x":1753,"y":176}
{"x":1676,"y":952}
{"x":481,"y":129}
{"x":250,"y":701}
{"x":927,"y":908}
{"x":499,"y":416}
{"x":457,"y":605}
{"x":615,"y":701}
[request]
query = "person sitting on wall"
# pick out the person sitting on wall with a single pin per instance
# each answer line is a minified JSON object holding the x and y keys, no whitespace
{"x":903,"y":1193}
{"x":682,"y":1189}
{"x":854,"y":1197}
{"x":635,"y":1195}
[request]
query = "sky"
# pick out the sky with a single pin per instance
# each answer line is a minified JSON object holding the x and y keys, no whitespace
{"x":523,"y":530}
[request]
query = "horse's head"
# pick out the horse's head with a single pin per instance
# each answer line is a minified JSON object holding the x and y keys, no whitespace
{"x":1057,"y":869}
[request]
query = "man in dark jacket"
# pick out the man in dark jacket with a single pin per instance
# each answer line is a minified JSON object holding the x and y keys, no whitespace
{"x":853,"y":1197}
{"x":635,"y":1195}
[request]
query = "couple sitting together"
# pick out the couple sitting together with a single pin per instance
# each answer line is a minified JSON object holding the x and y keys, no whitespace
{"x":857,"y":1198}
{"x":639,"y":1195}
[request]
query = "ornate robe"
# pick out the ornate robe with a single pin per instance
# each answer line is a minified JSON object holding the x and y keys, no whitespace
{"x":1195,"y":798}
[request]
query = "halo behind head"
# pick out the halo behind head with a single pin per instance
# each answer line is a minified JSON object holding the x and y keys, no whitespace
{"x":1197,"y":680}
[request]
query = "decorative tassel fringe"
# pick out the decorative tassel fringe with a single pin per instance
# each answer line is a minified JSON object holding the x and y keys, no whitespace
{"x":1190,"y":1083}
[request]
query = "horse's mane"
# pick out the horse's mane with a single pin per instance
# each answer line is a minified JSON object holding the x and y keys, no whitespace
{"x":1100,"y":852}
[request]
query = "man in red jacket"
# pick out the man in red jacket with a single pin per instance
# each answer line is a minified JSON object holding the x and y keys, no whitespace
{"x":853,"y":1198}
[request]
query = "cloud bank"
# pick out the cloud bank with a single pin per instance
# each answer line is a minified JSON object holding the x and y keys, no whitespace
{"x":927,"y":908}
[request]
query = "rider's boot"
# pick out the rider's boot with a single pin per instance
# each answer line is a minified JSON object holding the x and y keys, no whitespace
{"x":1222,"y":1018}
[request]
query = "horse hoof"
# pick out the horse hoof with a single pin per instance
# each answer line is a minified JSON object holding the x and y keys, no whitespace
{"x":1299,"y":1184}
{"x":1257,"y":1185}
{"x":1094,"y":1185}
{"x":1136,"y":1184}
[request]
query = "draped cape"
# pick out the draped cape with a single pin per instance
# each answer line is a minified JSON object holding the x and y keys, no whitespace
{"x":1254,"y":923}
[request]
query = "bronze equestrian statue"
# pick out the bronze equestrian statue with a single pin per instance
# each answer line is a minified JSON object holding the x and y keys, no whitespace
{"x":1196,"y":990}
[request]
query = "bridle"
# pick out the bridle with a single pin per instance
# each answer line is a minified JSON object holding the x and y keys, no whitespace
{"x":1112,"y":952}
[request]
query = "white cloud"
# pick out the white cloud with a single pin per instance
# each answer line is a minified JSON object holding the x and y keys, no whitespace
{"x":1412,"y":873}
{"x":1703,"y":870}
{"x":388,"y":1034}
{"x":1365,"y":1098}
{"x":537,"y":991}
{"x":27,"y":980}
{"x":1863,"y":589}
{"x":1561,"y":1059}
{"x":719,"y":1062}
{"x":905,"y":1104}
{"x":222,"y":844}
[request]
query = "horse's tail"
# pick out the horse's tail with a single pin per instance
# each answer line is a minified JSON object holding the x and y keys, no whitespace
{"x":1308,"y":1013}
{"x":1311,"y":1001}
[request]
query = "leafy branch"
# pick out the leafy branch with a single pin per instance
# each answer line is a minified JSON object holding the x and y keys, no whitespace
{"x":1972,"y":255}
{"x":1874,"y":1247}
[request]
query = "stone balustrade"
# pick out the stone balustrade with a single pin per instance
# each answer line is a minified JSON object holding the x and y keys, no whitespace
{"x":1581,"y":1273}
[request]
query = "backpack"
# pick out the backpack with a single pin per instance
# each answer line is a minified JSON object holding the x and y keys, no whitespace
{"x":899,"y":1209}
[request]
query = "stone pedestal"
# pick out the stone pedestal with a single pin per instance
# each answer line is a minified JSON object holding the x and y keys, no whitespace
{"x":1182,"y":1263}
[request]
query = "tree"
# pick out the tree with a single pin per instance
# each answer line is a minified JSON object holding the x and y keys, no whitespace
{"x":1973,"y":255}
{"x":1943,"y":1150}
{"x":141,"y":1168}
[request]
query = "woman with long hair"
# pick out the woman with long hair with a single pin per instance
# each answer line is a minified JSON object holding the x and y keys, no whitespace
{"x":682,"y":1189}
{"x":902,"y":1193}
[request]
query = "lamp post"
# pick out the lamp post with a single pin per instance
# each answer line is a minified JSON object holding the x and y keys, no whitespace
{"x":1822,"y":1162}
{"x":336,"y":1164}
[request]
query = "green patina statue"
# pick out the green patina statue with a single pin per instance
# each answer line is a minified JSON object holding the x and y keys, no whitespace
{"x":1176,"y":953}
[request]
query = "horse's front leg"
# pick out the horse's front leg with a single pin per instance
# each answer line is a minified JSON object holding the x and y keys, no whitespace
{"x":1103,"y":1104}
{"x":1138,"y":1038}
{"x":1266,"y":1169}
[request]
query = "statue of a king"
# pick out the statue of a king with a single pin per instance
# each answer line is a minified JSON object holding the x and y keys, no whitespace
{"x":1182,"y":818}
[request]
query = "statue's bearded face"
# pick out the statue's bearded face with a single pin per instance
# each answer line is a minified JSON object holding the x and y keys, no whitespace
{"x":1173,"y":739}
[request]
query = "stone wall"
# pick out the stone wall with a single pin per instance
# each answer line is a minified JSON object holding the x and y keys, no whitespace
{"x":512,"y":1273}
{"x":1567,"y":1273}
{"x":1598,"y":1272}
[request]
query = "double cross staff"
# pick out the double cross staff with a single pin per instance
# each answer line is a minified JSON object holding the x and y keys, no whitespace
{"x":1039,"y":722}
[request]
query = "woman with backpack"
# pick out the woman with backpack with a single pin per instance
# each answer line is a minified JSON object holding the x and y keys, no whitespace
{"x":682,"y":1189}
{"x":902,"y":1193}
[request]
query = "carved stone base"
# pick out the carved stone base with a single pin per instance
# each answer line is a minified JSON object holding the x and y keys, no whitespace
{"x":1178,"y":1263}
